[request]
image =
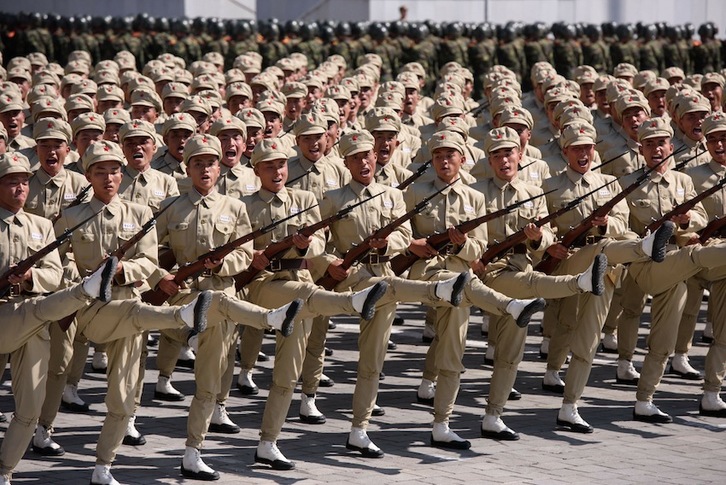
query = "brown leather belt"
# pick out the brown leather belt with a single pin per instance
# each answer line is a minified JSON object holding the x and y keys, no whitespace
{"x":375,"y":258}
{"x":516,"y":249}
{"x":588,"y":240}
{"x":287,"y":265}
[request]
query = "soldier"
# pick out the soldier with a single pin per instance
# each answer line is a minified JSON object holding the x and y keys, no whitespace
{"x":176,"y":131}
{"x":712,"y":86}
{"x":691,"y":110}
{"x":704,"y":177}
{"x":625,"y":49}
{"x":651,"y":53}
{"x":26,"y":312}
{"x":12,"y":117}
{"x":512,"y":274}
{"x":581,"y":335}
{"x":508,"y":53}
{"x":567,"y":54}
{"x":288,"y":278}
{"x":443,"y":359}
{"x":595,"y":52}
{"x":221,"y":219}
{"x":120,"y":322}
{"x":665,"y":282}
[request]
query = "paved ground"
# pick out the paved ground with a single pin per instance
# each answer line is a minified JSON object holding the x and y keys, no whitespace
{"x":619,"y":451}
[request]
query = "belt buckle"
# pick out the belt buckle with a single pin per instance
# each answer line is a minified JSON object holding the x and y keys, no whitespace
{"x":207,"y":273}
{"x":15,"y":290}
{"x":590,"y":239}
{"x":275,"y":265}
{"x":374,"y":258}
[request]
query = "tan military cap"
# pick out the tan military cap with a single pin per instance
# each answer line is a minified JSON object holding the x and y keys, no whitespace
{"x":381,"y":119}
{"x":694,"y":80}
{"x":313,"y":81}
{"x":18,"y":73}
{"x":37,"y":59}
{"x":391,"y":99}
{"x":225,"y":123}
{"x":271,"y":106}
{"x":351,"y":83}
{"x":106,"y":76}
{"x":116,"y":116}
{"x":146,"y":97}
{"x":44,"y":107}
{"x":539,"y":76}
{"x":642,"y":78}
{"x":409,"y":80}
{"x":294,"y":90}
{"x":355,"y":142}
{"x":673,"y":72}
{"x":364,"y":81}
{"x":215,"y":58}
{"x":585,"y":74}
{"x":602,"y":82}
{"x":447,"y":105}
{"x":557,"y":95}
{"x":500,"y":103}
{"x":252,"y":118}
{"x":328,"y":109}
{"x":19,"y":62}
{"x":692,"y":103}
{"x":552,"y":81}
{"x":516,"y":115}
{"x":202,"y":145}
{"x":625,"y":70}
{"x":174,"y":90}
{"x":102,"y":151}
{"x":265,"y":80}
{"x":247,"y":65}
{"x":563,"y":105}
{"x":10,"y":102}
{"x":414,"y":67}
{"x":275,"y":96}
{"x":578,"y":134}
{"x":447,"y":139}
{"x":45,"y":77}
{"x":140,"y":82}
{"x":338,"y":92}
{"x":657,"y":84}
{"x":203,"y":83}
{"x":629,"y":100}
{"x":287,"y":64}
{"x":714,"y":122}
{"x":14,"y":162}
{"x":574,"y":114}
{"x":617,"y":88}
{"x":451,"y":123}
{"x":196,"y":103}
{"x":109,"y":92}
{"x":310,"y":124}
{"x":654,"y":128}
{"x":503,"y":137}
{"x":213,"y":98}
{"x":268,"y":149}
{"x":88,"y":121}
{"x":137,"y":128}
{"x":234,"y":75}
{"x":41,"y":91}
{"x":179,"y":121}
{"x":52,"y":129}
{"x":107,"y":64}
{"x":713,"y":77}
{"x":86,"y":86}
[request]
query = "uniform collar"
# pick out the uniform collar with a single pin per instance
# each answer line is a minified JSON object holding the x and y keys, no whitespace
{"x":113,"y":207}
{"x":360,"y":190}
{"x":196,"y":198}
{"x":666,"y":178}
{"x":717,"y":168}
{"x":234,"y":173}
{"x":455,"y":187}
{"x":10,"y":218}
{"x":503,"y":184}
{"x":576,"y":177}
{"x":45,"y":178}
{"x":268,"y":196}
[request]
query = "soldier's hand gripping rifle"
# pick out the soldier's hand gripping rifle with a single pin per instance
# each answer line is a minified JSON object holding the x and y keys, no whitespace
{"x":360,"y":251}
{"x":278,"y":248}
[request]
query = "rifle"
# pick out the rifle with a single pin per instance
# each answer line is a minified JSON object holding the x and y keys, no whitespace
{"x":549,"y":263}
{"x":686,"y":206}
{"x":715,"y":227}
{"x":193,"y":269}
{"x":276,"y":249}
{"x":440,"y":240}
{"x":360,"y":251}
{"x":30,"y":261}
{"x":119,"y":253}
{"x":75,"y":202}
{"x":301,"y":176}
{"x":419,"y":171}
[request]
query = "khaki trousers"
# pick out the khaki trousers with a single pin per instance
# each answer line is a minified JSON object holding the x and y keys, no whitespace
{"x":24,"y":335}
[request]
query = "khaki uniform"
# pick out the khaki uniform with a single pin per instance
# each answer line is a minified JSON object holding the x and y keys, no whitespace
{"x":120,"y":322}
{"x":24,"y":332}
{"x":666,"y":280}
{"x":171,"y":166}
{"x":47,"y":197}
{"x":319,"y":177}
{"x":147,"y":188}
{"x":705,"y":176}
{"x":696,"y":153}
{"x":238,"y":181}
{"x":513,"y":275}
{"x":374,"y":333}
{"x":454,"y":205}
{"x":625,"y":160}
{"x":391,"y":174}
{"x":193,"y":226}
{"x":270,"y":289}
{"x":581,"y":335}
